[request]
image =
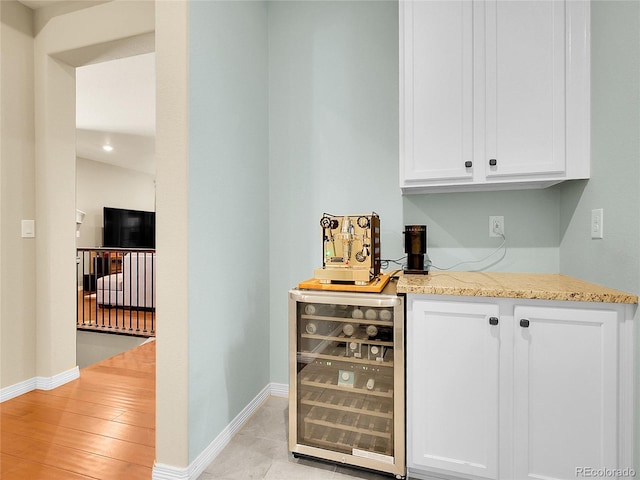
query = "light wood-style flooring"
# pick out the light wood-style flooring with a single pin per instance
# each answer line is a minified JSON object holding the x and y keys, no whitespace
{"x":100,"y":426}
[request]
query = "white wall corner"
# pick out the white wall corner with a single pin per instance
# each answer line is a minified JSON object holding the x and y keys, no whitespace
{"x":279,"y":389}
{"x":193,"y":471}
{"x":168,"y":472}
{"x":38,"y":383}
{"x":49,"y":383}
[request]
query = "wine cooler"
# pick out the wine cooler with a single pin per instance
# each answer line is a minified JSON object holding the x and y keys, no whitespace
{"x":346,"y":389}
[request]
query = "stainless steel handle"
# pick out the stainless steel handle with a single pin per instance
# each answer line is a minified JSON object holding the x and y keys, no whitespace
{"x":363,"y":300}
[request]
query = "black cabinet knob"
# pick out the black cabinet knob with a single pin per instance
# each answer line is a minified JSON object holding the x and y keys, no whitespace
{"x":493,"y":320}
{"x":524,"y":323}
{"x":493,"y":162}
{"x":468,"y":164}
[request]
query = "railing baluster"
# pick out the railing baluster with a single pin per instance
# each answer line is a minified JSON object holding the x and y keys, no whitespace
{"x":144,"y":293}
{"x":137,"y":292}
{"x":99,"y":273}
{"x":131,"y":254}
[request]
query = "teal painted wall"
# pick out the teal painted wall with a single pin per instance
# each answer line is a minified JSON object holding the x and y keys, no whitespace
{"x":313,"y":87}
{"x":228,"y":214}
{"x":458,"y":229}
{"x":333,"y":131}
{"x":614,"y":260}
{"x":615,"y":145}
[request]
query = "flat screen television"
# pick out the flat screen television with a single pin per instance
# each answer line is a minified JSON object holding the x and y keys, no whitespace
{"x":125,"y":228}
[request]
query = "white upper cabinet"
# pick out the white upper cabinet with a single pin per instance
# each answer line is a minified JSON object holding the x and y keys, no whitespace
{"x":438,"y":88}
{"x":493,"y":94}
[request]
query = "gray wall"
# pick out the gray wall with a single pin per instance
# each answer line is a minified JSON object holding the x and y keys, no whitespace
{"x":333,"y":136}
{"x":228,"y":214}
{"x":458,"y":229}
{"x":615,"y":180}
{"x":613,"y":261}
{"x":333,"y":124}
{"x":333,"y":120}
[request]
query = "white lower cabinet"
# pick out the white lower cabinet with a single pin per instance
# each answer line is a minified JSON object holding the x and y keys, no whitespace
{"x":518,"y":389}
{"x":453,"y":368}
{"x":565,"y":386}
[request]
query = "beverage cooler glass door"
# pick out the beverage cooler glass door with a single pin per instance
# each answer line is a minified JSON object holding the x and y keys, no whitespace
{"x":346,"y":398}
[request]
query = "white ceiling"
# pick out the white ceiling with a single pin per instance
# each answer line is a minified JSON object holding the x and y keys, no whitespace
{"x":115,"y":105}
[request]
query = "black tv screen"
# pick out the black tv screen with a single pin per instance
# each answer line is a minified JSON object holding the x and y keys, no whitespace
{"x":128,"y":228}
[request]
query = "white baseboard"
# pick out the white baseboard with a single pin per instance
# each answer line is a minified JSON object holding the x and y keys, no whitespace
{"x":38,"y":383}
{"x":279,"y":389}
{"x":193,"y":471}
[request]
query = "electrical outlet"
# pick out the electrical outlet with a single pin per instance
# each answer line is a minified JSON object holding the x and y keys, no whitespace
{"x":597,"y":227}
{"x":496,"y":226}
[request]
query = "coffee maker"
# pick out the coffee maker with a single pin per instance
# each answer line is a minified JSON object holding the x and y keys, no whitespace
{"x":415,"y":246}
{"x":350,"y":249}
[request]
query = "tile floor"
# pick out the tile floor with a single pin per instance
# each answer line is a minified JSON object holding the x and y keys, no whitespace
{"x":259,"y":451}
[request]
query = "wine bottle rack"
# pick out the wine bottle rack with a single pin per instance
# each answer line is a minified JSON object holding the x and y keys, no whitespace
{"x":347,"y":379}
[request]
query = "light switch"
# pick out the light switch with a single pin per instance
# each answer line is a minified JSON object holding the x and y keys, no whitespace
{"x":597,"y":219}
{"x":28,"y":228}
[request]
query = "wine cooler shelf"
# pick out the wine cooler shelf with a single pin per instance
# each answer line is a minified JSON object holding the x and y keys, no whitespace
{"x":347,"y":378}
{"x":323,"y":433}
{"x":348,"y":403}
{"x":356,"y":353}
{"x":348,"y":421}
{"x":355,"y":381}
{"x":347,"y":442}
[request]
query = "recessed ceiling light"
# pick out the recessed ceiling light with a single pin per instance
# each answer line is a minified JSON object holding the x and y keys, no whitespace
{"x":107,"y":148}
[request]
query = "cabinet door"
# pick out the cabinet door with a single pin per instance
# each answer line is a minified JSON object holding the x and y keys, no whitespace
{"x":525,"y":87}
{"x":452,"y":387}
{"x":565,"y":391}
{"x":493,"y":94}
{"x":436,"y":91}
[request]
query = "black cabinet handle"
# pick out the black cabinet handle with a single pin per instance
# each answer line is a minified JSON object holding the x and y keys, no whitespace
{"x":468,"y":164}
{"x":493,"y":162}
{"x":493,"y":320}
{"x":524,"y":323}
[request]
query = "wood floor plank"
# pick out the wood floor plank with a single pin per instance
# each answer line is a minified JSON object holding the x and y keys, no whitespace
{"x":22,"y":470}
{"x":118,"y":397}
{"x":54,"y":456}
{"x":119,"y":449}
{"x":36,"y":398}
{"x":85,"y":423}
{"x":100,"y":426}
{"x":140,"y":419}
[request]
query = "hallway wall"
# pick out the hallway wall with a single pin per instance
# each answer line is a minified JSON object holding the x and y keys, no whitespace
{"x":17,"y":195}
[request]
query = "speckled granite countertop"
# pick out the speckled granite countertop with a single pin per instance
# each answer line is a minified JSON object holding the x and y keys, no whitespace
{"x":540,"y":286}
